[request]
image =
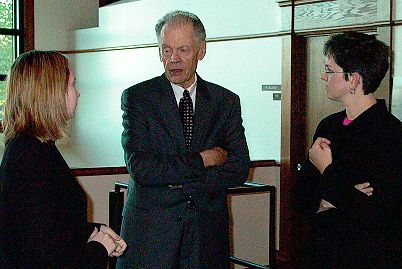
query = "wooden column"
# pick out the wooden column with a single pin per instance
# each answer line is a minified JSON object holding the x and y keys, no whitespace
{"x":292,"y":141}
{"x":28,"y":25}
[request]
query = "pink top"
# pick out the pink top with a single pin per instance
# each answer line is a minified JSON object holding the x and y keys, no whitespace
{"x":346,"y":121}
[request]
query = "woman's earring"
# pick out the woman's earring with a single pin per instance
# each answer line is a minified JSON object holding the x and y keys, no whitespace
{"x":352,"y":91}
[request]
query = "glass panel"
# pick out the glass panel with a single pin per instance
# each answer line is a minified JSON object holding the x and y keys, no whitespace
{"x":340,"y":13}
{"x":6,"y":14}
{"x":286,"y":18}
{"x":397,"y":9}
{"x":6,"y":53}
{"x":257,"y":61}
{"x":396,"y":107}
{"x":2,"y":98}
{"x":223,"y":18}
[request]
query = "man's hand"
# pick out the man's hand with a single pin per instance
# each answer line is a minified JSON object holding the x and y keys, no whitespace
{"x":214,"y":156}
{"x":320,"y":154}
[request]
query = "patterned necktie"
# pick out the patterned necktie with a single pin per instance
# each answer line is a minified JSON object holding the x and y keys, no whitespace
{"x":186,"y":114}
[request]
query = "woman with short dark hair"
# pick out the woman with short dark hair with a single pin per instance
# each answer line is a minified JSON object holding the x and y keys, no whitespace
{"x":351,"y":188}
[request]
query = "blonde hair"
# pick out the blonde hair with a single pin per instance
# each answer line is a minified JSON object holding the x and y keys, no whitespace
{"x":36,"y":96}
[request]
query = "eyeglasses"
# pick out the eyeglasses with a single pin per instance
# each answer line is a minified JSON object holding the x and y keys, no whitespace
{"x":328,"y":71}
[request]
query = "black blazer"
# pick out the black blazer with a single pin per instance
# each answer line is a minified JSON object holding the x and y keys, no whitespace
{"x":43,"y":211}
{"x":363,"y":231}
{"x":156,"y":157}
{"x":154,"y":146}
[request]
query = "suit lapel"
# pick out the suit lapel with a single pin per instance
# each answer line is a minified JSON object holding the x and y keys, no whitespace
{"x":169,"y":112}
{"x":202,"y":115}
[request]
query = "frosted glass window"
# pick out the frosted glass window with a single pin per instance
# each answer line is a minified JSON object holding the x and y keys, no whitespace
{"x":102,"y":76}
{"x":133,"y":22}
{"x":339,"y":13}
{"x":241,"y":66}
{"x":396,"y":107}
{"x":397,"y":9}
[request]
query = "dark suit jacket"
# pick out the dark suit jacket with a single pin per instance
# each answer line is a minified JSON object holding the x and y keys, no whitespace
{"x":43,"y":211}
{"x":363,"y":231}
{"x":156,"y":157}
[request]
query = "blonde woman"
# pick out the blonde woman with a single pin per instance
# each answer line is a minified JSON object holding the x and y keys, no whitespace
{"x":43,"y":209}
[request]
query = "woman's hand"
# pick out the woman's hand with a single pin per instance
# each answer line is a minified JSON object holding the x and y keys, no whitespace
{"x":325,"y":205}
{"x":119,"y":242}
{"x":320,"y":154}
{"x":365,"y":188}
{"x":103,"y":238}
{"x":114,"y":245}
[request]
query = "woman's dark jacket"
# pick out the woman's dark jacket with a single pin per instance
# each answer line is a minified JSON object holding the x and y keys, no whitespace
{"x":43,"y":210}
{"x":362,"y":231}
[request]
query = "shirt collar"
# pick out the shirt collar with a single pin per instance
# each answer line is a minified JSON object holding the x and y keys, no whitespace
{"x":178,"y":91}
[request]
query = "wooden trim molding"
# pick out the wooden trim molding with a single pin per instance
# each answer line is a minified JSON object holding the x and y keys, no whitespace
{"x":372,"y":27}
{"x":139,"y":46}
{"x":99,"y":171}
{"x":102,"y":171}
{"x":286,"y":3}
{"x":264,"y":163}
{"x":154,"y":45}
{"x":106,"y":2}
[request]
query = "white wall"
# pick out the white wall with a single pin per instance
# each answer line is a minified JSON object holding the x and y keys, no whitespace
{"x":54,"y":18}
{"x":243,"y":67}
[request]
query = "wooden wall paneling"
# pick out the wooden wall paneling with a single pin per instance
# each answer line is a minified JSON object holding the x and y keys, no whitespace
{"x":318,"y":106}
{"x":384,"y":91}
{"x":281,"y":257}
{"x":292,"y":140}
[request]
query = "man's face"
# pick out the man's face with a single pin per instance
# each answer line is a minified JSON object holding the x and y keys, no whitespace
{"x":180,"y":52}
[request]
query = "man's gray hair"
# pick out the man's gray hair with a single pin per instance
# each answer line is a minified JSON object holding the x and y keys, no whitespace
{"x":181,"y":16}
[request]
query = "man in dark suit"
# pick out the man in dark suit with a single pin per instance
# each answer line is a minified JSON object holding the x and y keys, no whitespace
{"x":184,"y":146}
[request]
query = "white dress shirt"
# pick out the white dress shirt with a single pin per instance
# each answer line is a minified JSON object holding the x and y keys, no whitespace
{"x":178,"y":92}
